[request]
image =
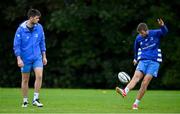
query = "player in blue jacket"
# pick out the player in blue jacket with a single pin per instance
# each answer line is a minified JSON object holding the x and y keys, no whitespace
{"x":30,"y":50}
{"x":147,"y":56}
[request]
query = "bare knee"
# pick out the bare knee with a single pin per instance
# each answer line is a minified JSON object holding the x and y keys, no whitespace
{"x":145,"y":82}
{"x":38,"y":73}
{"x":25,"y":81}
{"x":136,"y":79}
{"x":137,"y":76}
{"x":25,"y":78}
{"x":38,"y":77}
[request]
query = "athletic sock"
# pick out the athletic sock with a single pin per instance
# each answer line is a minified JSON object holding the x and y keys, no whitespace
{"x":137,"y":102}
{"x":36,"y":96}
{"x":25,"y":99}
{"x":126,"y":90}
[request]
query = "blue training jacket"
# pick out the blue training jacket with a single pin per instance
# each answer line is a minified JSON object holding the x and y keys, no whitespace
{"x":29,"y":45}
{"x":147,"y":48}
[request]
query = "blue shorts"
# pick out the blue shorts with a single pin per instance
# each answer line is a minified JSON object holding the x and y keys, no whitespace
{"x":148,"y":67}
{"x":28,"y":66}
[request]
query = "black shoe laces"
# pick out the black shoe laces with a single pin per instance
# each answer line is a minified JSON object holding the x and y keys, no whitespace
{"x":38,"y":100}
{"x":25,"y":103}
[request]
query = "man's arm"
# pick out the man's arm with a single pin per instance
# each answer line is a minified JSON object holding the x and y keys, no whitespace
{"x":135,"y":51}
{"x":43,"y":47}
{"x":17,"y":43}
{"x":20,"y":62}
{"x":16,"y":47}
{"x":42,"y":42}
{"x":44,"y":58}
{"x":163,"y":29}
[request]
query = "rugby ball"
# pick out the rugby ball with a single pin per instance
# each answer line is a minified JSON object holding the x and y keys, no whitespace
{"x":123,"y":77}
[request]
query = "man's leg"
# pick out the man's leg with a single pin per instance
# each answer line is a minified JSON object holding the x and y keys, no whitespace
{"x":37,"y":85}
{"x":136,"y":78}
{"x":152,"y":71}
{"x":38,"y":80}
{"x":138,"y":75}
{"x":25,"y":87}
{"x":147,"y":79}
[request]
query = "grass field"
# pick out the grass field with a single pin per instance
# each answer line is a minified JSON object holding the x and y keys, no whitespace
{"x":89,"y":101}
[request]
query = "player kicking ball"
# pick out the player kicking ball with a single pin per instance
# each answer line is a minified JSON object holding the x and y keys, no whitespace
{"x":147,"y":56}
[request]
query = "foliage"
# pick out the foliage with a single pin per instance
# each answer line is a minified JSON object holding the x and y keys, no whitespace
{"x":90,"y":41}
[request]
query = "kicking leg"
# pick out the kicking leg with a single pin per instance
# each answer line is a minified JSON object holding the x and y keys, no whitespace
{"x":137,"y":76}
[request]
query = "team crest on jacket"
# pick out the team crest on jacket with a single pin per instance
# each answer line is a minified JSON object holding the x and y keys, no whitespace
{"x":36,"y":35}
{"x":151,"y":38}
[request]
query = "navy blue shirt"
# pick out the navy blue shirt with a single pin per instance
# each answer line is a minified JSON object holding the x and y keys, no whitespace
{"x":148,"y":47}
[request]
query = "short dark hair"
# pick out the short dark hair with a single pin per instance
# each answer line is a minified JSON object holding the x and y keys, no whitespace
{"x":142,"y":26}
{"x":33,"y":13}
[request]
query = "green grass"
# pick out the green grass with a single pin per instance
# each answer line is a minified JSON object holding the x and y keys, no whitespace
{"x":89,"y":101}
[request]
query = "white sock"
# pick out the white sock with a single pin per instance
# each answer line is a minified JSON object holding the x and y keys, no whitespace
{"x":126,"y":90}
{"x":137,"y":102}
{"x":25,"y":99}
{"x":36,"y":96}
